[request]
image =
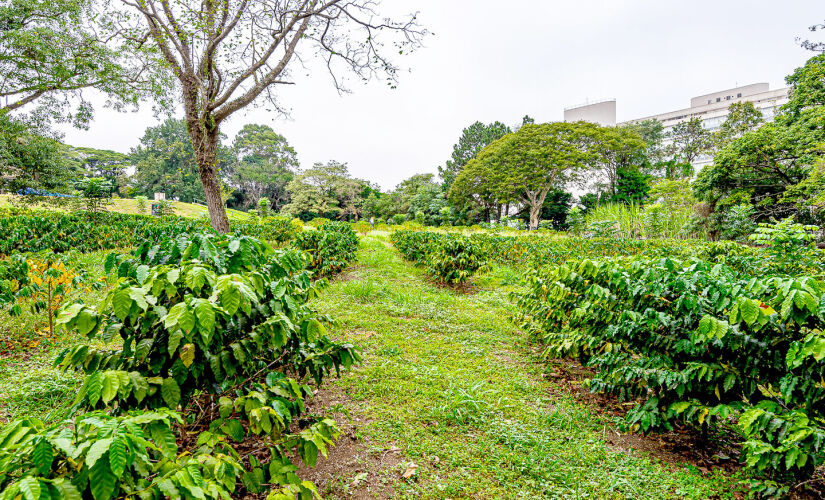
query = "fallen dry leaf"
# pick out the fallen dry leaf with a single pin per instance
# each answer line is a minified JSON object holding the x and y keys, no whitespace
{"x":411,"y":468}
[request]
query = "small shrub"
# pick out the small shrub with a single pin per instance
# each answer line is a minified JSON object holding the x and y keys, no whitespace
{"x":362,"y":227}
{"x":318,"y":222}
{"x":141,"y":204}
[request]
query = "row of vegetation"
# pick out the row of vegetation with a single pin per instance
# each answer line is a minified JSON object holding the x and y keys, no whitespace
{"x":717,"y":336}
{"x":196,"y":369}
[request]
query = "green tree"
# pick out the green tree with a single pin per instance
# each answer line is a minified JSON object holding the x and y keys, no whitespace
{"x":765,"y":164}
{"x":429,"y":201}
{"x":325,"y":190}
{"x":742,"y":118}
{"x":51,"y":51}
{"x":473,"y":139}
{"x":103,"y":163}
{"x":230,"y":54}
{"x":616,"y":150}
{"x":653,"y":134}
{"x":528,"y":164}
{"x":476,"y":189}
{"x":165,"y":162}
{"x":690,"y":140}
{"x":29,"y":158}
{"x":265,"y":165}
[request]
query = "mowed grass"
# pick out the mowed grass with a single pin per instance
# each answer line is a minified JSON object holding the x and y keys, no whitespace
{"x":450,"y":381}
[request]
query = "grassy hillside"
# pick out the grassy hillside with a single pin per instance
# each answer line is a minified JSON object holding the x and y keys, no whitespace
{"x":130,"y":206}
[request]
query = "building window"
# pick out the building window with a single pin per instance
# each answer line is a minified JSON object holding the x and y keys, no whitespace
{"x":710,"y":101}
{"x":739,"y":94}
{"x":727,"y":98}
{"x":718,"y":99}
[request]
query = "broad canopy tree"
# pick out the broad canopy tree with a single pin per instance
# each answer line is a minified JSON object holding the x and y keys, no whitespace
{"x":527,"y":165}
{"x":227,"y":54}
{"x":326,"y":190}
{"x":53,"y":50}
{"x":265,"y":164}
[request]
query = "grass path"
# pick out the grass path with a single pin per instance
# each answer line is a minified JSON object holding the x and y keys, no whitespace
{"x":448,"y":387}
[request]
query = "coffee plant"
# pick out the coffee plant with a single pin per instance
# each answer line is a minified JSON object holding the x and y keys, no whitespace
{"x":449,"y":258}
{"x":332,"y":247}
{"x":221,"y":320}
{"x":695,"y":342}
{"x":102,"y":456}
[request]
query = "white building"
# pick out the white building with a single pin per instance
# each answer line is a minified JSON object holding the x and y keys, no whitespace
{"x":711,"y":108}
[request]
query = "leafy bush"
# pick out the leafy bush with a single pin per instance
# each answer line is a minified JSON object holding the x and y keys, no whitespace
{"x":449,"y":258}
{"x":59,"y":232}
{"x":100,"y":456}
{"x":278,"y":230}
{"x":332,"y":247}
{"x":695,"y":342}
{"x":264,"y":207}
{"x":220,"y":319}
{"x":455,"y":259}
{"x":318,"y":222}
{"x":141,"y":204}
{"x":362,"y":227}
{"x":95,"y":193}
{"x":738,"y":222}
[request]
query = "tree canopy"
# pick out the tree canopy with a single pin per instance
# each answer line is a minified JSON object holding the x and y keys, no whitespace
{"x":526,"y":165}
{"x":764,"y":163}
{"x":265,"y":163}
{"x":53,"y":50}
{"x":473,"y":139}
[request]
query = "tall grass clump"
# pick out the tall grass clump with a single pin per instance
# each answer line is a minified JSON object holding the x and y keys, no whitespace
{"x":633,"y":220}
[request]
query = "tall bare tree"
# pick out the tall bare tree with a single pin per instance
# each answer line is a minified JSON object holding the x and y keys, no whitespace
{"x":226,"y":54}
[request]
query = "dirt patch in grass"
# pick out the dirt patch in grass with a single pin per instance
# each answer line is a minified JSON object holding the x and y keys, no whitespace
{"x":354,"y":468}
{"x":678,"y":447}
{"x":349,"y":274}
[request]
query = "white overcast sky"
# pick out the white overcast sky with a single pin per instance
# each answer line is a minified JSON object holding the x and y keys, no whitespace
{"x":490,"y":60}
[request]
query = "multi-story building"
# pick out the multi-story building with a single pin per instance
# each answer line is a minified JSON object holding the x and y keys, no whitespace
{"x":712,"y":109}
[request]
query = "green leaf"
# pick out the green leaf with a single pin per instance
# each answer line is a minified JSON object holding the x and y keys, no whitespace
{"x":67,"y":490}
{"x":205,"y":312}
{"x":68,"y":313}
{"x":101,"y":481}
{"x":749,"y":311}
{"x":96,"y":450}
{"x":174,"y":341}
{"x":140,"y":386}
{"x":173,"y":316}
{"x":164,"y":439}
{"x":122,"y":303}
{"x":117,"y":456}
{"x":141,"y":273}
{"x":43,"y":456}
{"x":170,"y":392}
{"x":86,"y":322}
{"x":95,"y":387}
{"x":234,"y":429}
{"x":111,"y":383}
{"x":30,"y":487}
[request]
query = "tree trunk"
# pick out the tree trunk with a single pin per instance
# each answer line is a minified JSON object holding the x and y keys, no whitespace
{"x":205,"y":145}
{"x":535,"y":211}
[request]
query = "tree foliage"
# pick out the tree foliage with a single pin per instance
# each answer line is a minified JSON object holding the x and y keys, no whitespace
{"x":473,"y":139}
{"x":51,"y":51}
{"x":265,"y":163}
{"x":766,"y":163}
